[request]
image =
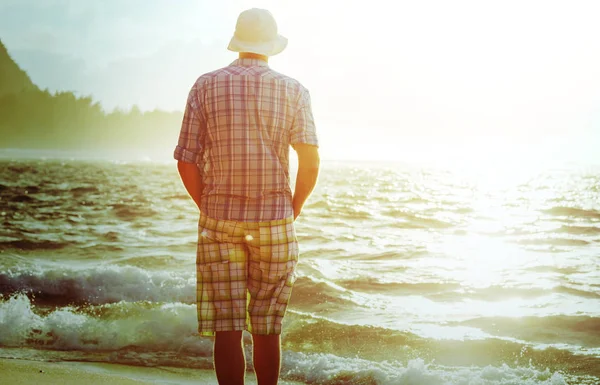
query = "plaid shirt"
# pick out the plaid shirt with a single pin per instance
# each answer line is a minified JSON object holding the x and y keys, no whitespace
{"x":238,"y":125}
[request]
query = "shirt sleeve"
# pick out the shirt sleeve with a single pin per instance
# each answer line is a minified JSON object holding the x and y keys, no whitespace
{"x":303,"y":128}
{"x":191,"y":137}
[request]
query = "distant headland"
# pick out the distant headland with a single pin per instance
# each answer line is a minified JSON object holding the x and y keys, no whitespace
{"x":31,"y":118}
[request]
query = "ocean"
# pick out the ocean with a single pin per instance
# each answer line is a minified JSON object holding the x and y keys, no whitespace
{"x":408,"y":274}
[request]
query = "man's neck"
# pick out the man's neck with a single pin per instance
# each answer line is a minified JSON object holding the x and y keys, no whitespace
{"x":251,"y":55}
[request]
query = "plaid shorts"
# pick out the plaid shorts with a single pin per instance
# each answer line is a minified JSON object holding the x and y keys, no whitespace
{"x":245,"y":273}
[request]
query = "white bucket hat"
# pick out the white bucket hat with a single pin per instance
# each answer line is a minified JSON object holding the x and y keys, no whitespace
{"x":256,"y":32}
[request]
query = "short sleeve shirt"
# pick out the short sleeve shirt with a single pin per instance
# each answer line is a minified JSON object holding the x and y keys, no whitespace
{"x":238,"y":126}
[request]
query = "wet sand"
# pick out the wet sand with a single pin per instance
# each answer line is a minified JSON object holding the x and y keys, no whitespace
{"x":17,"y":372}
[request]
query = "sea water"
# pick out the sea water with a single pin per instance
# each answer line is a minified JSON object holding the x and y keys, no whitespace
{"x":408,"y":274}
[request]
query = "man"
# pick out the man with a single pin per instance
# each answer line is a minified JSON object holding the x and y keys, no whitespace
{"x":233,"y":158}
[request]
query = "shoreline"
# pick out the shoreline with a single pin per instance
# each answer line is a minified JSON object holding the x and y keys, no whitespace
{"x":17,"y":371}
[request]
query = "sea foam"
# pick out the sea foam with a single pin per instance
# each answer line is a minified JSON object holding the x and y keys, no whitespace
{"x":100,"y":284}
{"x":151,"y":334}
{"x":107,"y":327}
{"x":328,"y":369}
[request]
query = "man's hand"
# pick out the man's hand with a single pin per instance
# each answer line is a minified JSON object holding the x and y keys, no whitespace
{"x":192,"y":180}
{"x":297,"y":211}
{"x":308,"y":171}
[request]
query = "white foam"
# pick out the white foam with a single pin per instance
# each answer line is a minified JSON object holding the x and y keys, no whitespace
{"x":146,"y":333}
{"x":17,"y":321}
{"x":327,"y":369}
{"x":105,"y":284}
{"x":164,"y":327}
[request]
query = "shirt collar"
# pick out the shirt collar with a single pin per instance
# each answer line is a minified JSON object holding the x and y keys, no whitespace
{"x":246,"y":62}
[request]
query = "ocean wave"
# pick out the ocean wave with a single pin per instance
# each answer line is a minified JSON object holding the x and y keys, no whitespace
{"x":151,"y":262}
{"x":111,"y":236}
{"x":27,"y":244}
{"x":576,"y":330}
{"x":579,"y":230}
{"x":107,"y":327}
{"x":408,"y":220}
{"x":131,"y":280}
{"x":500,"y":293}
{"x":577,"y":292}
{"x":21,"y":198}
{"x":314,"y":296}
{"x":422,"y":223}
{"x":573,"y":212}
{"x":556,"y":269}
{"x":455,"y":291}
{"x":381,"y":344}
{"x":33,"y":189}
{"x":165,"y":335}
{"x":144,"y":279}
{"x":374,"y":285}
{"x":328,"y":369}
{"x":320,"y":204}
{"x":553,"y":242}
{"x":15,"y":190}
{"x":83,"y":190}
{"x":100,"y":285}
{"x":21,"y":168}
{"x":177,"y":197}
{"x":128,"y":212}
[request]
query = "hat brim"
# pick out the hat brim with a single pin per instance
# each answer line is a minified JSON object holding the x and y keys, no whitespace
{"x":270,"y":48}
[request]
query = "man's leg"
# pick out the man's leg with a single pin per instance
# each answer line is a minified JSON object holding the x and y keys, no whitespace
{"x":230,"y":361}
{"x":267,"y":358}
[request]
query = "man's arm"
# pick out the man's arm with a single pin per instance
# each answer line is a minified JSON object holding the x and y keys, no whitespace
{"x":192,"y":180}
{"x":308,"y":171}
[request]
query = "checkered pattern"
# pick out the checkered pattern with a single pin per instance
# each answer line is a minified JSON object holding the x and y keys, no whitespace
{"x":238,"y":126}
{"x":245,"y":274}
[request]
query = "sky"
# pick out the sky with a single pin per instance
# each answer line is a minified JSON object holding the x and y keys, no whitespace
{"x":388,"y":79}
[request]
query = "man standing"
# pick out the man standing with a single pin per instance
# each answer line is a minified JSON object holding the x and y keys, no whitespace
{"x":233,"y":158}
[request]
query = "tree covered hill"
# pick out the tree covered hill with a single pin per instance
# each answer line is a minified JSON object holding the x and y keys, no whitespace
{"x":12,"y":78}
{"x":31,"y":118}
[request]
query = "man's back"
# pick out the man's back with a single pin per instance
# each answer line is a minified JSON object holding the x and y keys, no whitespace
{"x":248,"y":115}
